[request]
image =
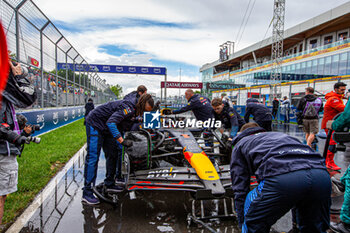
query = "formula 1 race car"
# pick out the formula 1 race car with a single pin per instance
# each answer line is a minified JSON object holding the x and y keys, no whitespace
{"x":187,"y":165}
{"x":172,"y":159}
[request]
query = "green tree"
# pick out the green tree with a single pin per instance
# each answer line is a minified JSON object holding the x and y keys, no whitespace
{"x":117,"y":90}
{"x":197,"y":92}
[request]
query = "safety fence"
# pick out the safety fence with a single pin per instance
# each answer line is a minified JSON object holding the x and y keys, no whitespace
{"x":36,"y":43}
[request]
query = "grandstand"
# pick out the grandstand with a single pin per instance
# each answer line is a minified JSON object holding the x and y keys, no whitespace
{"x":316,"y":53}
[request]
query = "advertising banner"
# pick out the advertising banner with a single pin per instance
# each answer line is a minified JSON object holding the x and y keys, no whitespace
{"x":49,"y":119}
{"x":113,"y":69}
{"x":223,"y":86}
{"x":185,"y":85}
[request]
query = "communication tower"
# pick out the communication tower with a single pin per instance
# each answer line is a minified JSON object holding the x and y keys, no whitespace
{"x":277,"y":46}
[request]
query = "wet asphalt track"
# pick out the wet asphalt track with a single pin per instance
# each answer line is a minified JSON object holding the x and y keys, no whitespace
{"x":156,"y":212}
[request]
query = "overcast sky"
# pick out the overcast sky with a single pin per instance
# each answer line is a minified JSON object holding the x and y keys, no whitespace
{"x":173,"y":33}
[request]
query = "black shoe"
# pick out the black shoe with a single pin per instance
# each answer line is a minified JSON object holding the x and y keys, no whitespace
{"x":90,"y":199}
{"x":114,"y":189}
{"x":340,"y":227}
{"x":339,"y":187}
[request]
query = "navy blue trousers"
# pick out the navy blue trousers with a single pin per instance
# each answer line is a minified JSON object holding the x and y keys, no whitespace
{"x":308,"y":191}
{"x":287,"y":117}
{"x":113,"y":152}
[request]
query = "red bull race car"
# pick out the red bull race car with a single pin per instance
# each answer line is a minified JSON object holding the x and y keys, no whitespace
{"x":177,"y":160}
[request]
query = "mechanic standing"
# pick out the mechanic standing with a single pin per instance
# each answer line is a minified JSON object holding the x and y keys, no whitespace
{"x":104,"y":128}
{"x":333,"y":106}
{"x":228,"y":116}
{"x":290,"y":174}
{"x":261,"y":114}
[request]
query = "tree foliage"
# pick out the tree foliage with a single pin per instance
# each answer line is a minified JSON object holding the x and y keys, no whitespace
{"x":117,"y":90}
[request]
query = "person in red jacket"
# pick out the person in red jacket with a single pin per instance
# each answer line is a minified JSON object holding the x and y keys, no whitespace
{"x":333,"y":106}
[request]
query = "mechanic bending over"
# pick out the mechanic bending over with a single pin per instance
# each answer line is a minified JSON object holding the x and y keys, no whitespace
{"x":104,"y":128}
{"x":261,"y":114}
{"x":200,"y":106}
{"x":135,"y":95}
{"x":290,"y":174}
{"x":228,"y":116}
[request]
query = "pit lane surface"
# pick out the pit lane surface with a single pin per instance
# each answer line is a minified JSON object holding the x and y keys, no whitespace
{"x":63,"y":211}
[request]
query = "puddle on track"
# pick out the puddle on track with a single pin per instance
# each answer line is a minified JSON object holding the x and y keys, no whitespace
{"x":154,"y":212}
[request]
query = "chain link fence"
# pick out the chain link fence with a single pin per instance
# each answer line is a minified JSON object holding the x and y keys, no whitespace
{"x":35,"y":42}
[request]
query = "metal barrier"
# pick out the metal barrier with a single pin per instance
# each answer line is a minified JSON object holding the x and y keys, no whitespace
{"x":35,"y":42}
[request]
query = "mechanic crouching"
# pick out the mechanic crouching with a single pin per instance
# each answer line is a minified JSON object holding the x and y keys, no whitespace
{"x":104,"y":129}
{"x":290,"y":174}
{"x":229,"y":117}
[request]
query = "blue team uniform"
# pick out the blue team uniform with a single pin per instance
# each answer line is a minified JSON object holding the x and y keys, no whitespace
{"x":132,"y":97}
{"x":104,"y":125}
{"x":261,"y":114}
{"x":230,"y":119}
{"x":200,"y":106}
{"x":290,"y":174}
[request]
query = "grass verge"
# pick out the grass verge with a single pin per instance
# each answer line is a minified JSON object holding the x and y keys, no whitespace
{"x":40,"y":162}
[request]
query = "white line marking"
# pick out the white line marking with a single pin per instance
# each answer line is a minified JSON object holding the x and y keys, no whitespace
{"x":45,"y":193}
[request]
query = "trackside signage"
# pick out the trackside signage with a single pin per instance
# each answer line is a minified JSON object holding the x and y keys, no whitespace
{"x":186,"y":85}
{"x":223,"y":86}
{"x":49,"y":119}
{"x":116,"y":69}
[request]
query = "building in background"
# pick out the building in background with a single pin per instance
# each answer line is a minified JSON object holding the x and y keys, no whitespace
{"x":316,"y":53}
